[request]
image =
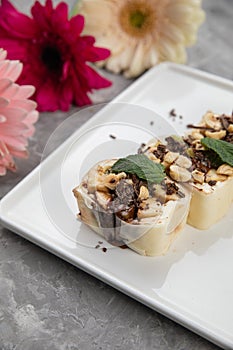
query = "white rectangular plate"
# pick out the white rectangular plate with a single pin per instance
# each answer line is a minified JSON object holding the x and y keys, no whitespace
{"x":193,"y":283}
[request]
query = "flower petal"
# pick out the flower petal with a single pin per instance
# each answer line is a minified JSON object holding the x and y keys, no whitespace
{"x":4,"y":85}
{"x":3,"y":54}
{"x":95,"y":80}
{"x":46,"y":97}
{"x":14,"y":114}
{"x":137,"y":64}
{"x":3,"y":103}
{"x":31,"y":118}
{"x":19,"y":142}
{"x":13,"y":70}
{"x":2,"y":169}
{"x":16,"y":49}
{"x":42,"y":14}
{"x":26,"y":105}
{"x":59,"y":17}
{"x":25,"y":91}
{"x":11,"y":91}
{"x":94,"y":54}
{"x":80,"y":96}
{"x":19,"y":154}
{"x":18,"y":24}
{"x":29,"y":132}
{"x":66,"y":95}
{"x":76,"y":25}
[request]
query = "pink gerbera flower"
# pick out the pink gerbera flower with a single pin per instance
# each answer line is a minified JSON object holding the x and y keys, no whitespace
{"x":17,"y":114}
{"x":53,"y":53}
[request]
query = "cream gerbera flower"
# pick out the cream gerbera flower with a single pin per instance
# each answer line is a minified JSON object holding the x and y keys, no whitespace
{"x":142,"y":33}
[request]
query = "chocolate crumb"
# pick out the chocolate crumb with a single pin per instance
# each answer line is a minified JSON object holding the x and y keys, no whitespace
{"x":212,"y":182}
{"x":104,"y":249}
{"x":171,"y":188}
{"x":140,"y":151}
{"x":112,"y":136}
{"x":152,"y":123}
{"x":173,"y":112}
{"x":100,"y":242}
{"x":97,"y":246}
{"x":181,"y":117}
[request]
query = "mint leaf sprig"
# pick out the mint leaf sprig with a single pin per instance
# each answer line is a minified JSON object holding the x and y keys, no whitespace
{"x":143,"y":167}
{"x":223,"y":149}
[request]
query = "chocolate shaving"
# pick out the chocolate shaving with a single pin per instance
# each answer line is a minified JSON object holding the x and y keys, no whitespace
{"x":181,"y":194}
{"x":123,"y":246}
{"x":192,"y":126}
{"x":173,"y":112}
{"x":229,"y":138}
{"x":224,"y":121}
{"x":175,"y":145}
{"x":160,"y":152}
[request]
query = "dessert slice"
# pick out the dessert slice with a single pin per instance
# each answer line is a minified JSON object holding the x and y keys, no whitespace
{"x":204,"y":160}
{"x":211,"y":150}
{"x":134,"y":205}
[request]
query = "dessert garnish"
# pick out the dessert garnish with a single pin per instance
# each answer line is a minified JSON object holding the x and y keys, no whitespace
{"x":140,"y":165}
{"x":223,"y":149}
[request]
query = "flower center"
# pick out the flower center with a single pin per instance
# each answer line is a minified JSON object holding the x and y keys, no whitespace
{"x":137,"y":18}
{"x":52,"y":59}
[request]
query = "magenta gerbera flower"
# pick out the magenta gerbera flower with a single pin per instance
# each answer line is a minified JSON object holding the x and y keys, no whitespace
{"x":55,"y":56}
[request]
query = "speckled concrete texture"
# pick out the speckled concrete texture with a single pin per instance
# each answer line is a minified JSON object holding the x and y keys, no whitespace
{"x":45,"y":303}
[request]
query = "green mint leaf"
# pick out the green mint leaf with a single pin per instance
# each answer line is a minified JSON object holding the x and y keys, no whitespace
{"x":223,"y":149}
{"x":140,"y":165}
{"x":214,"y":158}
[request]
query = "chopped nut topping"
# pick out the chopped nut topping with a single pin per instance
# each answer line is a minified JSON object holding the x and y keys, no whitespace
{"x":230,"y":128}
{"x":213,"y":176}
{"x":171,"y":157}
{"x":179,"y":174}
{"x":225,"y":169}
{"x":198,"y":176}
{"x":218,"y":135}
{"x":144,"y":193}
{"x":211,"y":121}
{"x":183,"y":162}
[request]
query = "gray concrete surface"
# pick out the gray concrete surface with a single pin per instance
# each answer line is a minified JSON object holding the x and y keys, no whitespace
{"x":45,"y":303}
